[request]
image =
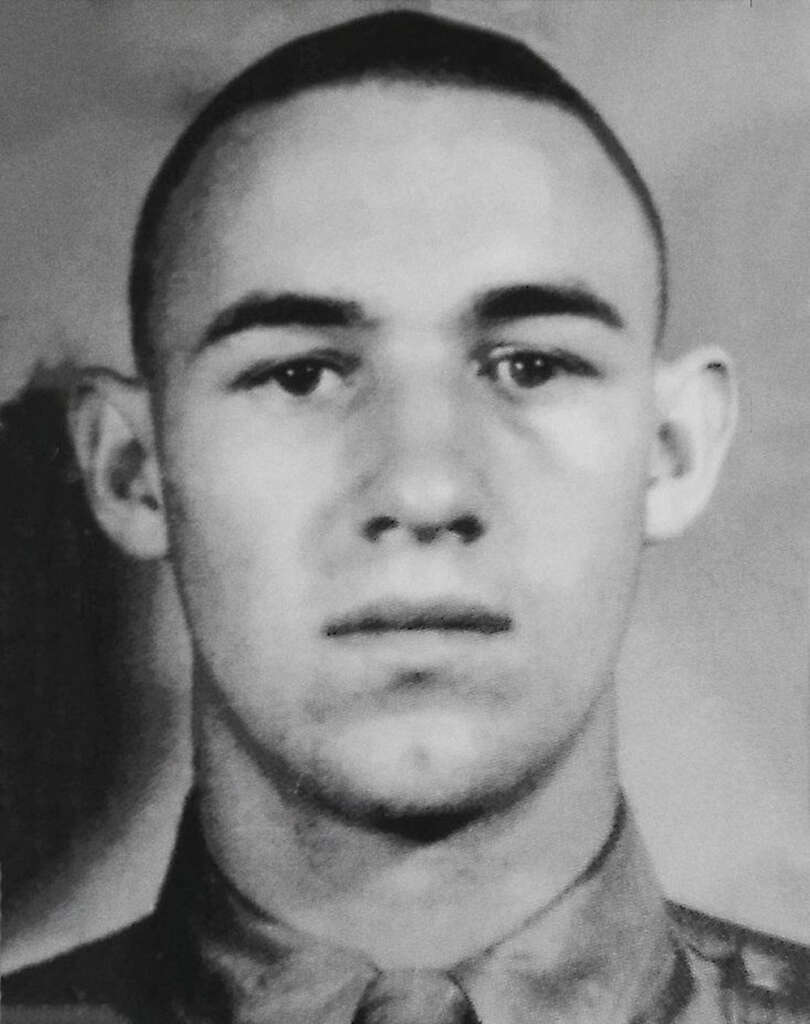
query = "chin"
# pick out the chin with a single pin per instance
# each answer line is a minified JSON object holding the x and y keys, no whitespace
{"x":419,"y":776}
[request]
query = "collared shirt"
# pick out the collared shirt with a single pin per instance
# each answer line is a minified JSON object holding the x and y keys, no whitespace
{"x":608,"y":950}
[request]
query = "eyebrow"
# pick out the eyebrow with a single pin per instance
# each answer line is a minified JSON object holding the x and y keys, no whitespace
{"x":523,"y":301}
{"x":493,"y":307}
{"x":286,"y":309}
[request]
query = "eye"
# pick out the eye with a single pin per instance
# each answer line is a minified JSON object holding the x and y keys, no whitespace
{"x":304,"y":376}
{"x":524,"y":369}
{"x":299,"y":378}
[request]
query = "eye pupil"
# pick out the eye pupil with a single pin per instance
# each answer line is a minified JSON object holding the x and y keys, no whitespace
{"x":529,"y":370}
{"x":300,"y":378}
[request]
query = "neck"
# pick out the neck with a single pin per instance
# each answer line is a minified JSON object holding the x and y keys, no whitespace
{"x":401,"y":901}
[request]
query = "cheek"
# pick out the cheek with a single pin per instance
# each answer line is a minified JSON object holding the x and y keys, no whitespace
{"x":234,"y":472}
{"x":242,"y":504}
{"x":581,"y":517}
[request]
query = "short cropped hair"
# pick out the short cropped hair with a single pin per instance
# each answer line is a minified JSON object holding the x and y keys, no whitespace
{"x":394,"y":46}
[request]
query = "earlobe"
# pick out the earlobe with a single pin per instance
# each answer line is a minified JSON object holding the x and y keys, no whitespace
{"x":110,"y":424}
{"x":696,"y":399}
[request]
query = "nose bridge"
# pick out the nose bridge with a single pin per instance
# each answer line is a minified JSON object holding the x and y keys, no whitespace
{"x":425,"y":405}
{"x":421,"y":408}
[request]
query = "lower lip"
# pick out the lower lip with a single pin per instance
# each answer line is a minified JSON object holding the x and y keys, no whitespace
{"x":422,"y":641}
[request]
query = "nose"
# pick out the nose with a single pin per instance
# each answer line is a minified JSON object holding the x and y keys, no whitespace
{"x":426,"y":483}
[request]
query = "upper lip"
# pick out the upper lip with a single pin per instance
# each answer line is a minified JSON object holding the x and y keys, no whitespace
{"x":403,"y":616}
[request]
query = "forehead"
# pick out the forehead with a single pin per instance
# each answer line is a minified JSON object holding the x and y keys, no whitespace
{"x":402,"y":195}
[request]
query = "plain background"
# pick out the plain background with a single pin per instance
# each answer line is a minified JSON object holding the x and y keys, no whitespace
{"x":713,"y":99}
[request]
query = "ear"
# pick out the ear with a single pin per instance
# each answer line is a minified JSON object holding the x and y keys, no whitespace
{"x":696,"y":399}
{"x":110,"y":422}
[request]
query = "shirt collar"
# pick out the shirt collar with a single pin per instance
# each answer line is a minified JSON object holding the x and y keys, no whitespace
{"x":601,"y":951}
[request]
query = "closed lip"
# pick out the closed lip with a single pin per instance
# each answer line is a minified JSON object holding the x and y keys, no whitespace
{"x":449,"y":616}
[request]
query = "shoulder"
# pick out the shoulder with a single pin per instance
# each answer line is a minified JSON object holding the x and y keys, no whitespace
{"x":109,"y":981}
{"x":759,"y":977}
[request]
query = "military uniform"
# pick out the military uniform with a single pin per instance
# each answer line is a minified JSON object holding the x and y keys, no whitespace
{"x":609,"y":949}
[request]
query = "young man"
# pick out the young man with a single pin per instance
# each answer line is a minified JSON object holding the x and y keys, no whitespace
{"x":403,"y":427}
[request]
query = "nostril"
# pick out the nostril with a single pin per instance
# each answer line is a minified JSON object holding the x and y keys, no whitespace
{"x":467,"y":528}
{"x":377,"y":526}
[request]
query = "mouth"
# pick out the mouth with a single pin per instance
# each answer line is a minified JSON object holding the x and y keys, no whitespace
{"x":442,"y":617}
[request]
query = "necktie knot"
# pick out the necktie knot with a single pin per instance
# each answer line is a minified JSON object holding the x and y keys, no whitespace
{"x":415,"y":997}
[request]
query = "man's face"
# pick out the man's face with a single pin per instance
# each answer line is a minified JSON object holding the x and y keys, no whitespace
{"x":404,"y":416}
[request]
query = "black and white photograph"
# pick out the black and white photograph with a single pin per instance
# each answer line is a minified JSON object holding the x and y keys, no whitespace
{"x":405,"y":511}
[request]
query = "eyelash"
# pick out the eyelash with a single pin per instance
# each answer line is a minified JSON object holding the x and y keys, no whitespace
{"x":548,"y":364}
